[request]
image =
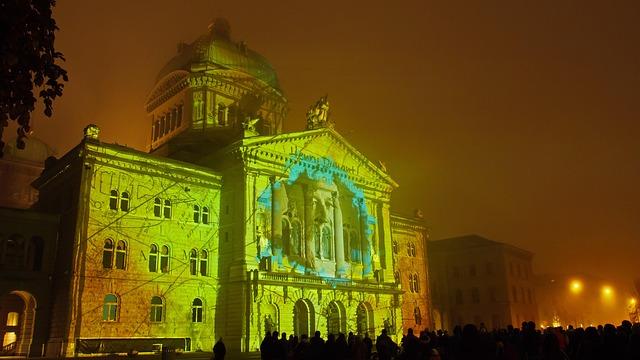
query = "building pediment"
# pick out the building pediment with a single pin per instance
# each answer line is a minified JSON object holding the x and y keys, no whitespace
{"x":316,"y":150}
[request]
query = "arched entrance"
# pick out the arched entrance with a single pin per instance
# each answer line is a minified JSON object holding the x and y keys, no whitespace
{"x":364,"y":319}
{"x":336,"y":319}
{"x":17,"y":319}
{"x":303,"y":318}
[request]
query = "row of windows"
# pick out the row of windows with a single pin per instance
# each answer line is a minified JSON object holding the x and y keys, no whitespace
{"x":522,"y":271}
{"x":119,"y":200}
{"x":111,"y":309}
{"x":167,"y":123}
{"x":414,"y":281}
{"x":159,"y":258}
{"x":161,"y":208}
{"x":475,"y":295}
{"x":473,"y":271}
{"x":196,"y":258}
{"x":411,"y":248}
{"x":528,"y":299}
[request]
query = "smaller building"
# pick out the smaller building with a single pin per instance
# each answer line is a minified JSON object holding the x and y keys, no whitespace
{"x":480,"y":281}
{"x":409,"y":235}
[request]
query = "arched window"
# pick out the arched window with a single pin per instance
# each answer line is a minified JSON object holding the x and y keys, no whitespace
{"x":196,"y":214}
{"x":124,"y":201}
{"x":113,"y":200}
{"x":121,"y":254}
{"x":416,"y":283}
{"x":205,"y":215}
{"x":395,"y":247}
{"x":296,"y":236}
{"x":164,"y":259}
{"x":411,"y":283}
{"x":157,"y":207}
{"x":327,"y":240}
{"x":193,"y":262}
{"x":196,"y":311}
{"x":156,"y":130}
{"x":153,"y":258}
{"x":286,"y":236}
{"x":345,"y":242}
{"x":396,"y":276}
{"x":167,"y":209}
{"x":222,"y":114}
{"x":167,"y":124}
{"x":36,"y":253}
{"x":203,"y":262}
{"x":174,"y":118}
{"x":179,"y":115}
{"x":354,"y":241}
{"x":107,"y":254}
{"x":317,"y":240}
{"x":110,"y":308}
{"x":157,"y":309}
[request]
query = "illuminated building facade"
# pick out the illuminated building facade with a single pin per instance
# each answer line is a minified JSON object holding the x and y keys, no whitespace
{"x":227,"y":227}
{"x":480,"y":281}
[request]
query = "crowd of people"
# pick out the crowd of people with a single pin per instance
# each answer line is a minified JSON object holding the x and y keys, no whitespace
{"x":468,"y":342}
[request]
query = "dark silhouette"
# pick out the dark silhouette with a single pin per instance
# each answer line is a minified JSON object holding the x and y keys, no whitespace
{"x":219,"y":350}
{"x":27,"y":34}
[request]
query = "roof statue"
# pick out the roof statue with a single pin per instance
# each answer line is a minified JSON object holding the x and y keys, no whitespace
{"x":250,"y":127}
{"x":318,"y":115}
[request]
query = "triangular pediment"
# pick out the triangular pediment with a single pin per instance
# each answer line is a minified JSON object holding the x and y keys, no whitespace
{"x":323,"y":147}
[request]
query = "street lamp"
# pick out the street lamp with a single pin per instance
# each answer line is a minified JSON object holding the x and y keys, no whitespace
{"x":575,"y":286}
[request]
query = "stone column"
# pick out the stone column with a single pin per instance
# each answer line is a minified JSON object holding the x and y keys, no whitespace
{"x":309,"y":211}
{"x":365,"y":243}
{"x":338,"y":235}
{"x":276,"y":221}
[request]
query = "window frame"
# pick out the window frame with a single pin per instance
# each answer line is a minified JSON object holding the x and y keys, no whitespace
{"x":108,"y":250}
{"x":157,"y":310}
{"x":197,"y":311}
{"x":110,"y":308}
{"x":165,"y":257}
{"x":120,"y":252}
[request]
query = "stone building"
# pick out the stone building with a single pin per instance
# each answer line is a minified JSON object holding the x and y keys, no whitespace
{"x":480,"y":281}
{"x":227,"y":227}
{"x":410,"y":257}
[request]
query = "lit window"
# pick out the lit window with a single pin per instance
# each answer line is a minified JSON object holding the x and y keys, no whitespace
{"x":157,"y":207}
{"x":167,"y":209}
{"x":164,"y":259}
{"x":124,"y":201}
{"x":153,"y":258}
{"x":196,"y":214}
{"x":205,"y":215}
{"x":193,"y":262}
{"x":110,"y":308}
{"x":157,"y":309}
{"x":203,"y":262}
{"x":12,"y":318}
{"x":107,"y":254}
{"x":196,"y":311}
{"x":113,"y":200}
{"x":121,"y":254}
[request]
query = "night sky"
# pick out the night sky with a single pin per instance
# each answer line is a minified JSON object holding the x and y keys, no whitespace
{"x":518,"y":121}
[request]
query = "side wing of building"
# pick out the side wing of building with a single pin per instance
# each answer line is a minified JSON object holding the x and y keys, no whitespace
{"x":138,"y":251}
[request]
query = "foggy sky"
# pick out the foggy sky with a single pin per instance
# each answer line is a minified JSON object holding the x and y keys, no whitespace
{"x":518,"y":121}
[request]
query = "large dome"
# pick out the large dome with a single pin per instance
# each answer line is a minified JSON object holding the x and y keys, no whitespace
{"x":35,"y":151}
{"x":216,"y":50}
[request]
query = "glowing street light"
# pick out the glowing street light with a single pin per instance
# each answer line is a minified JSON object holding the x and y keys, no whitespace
{"x":607,"y":292}
{"x":575,"y":286}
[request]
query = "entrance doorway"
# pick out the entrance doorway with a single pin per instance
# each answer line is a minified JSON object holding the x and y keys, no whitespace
{"x":336,"y":319}
{"x":303,"y":318}
{"x":17,"y":318}
{"x":364,"y":319}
